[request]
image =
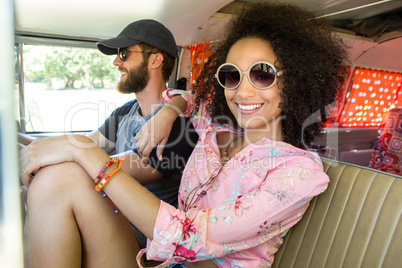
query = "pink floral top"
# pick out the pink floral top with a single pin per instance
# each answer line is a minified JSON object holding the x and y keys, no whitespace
{"x":237,"y":213}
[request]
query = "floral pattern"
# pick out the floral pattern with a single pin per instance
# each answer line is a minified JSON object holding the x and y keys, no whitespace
{"x":388,"y":147}
{"x":239,"y":217}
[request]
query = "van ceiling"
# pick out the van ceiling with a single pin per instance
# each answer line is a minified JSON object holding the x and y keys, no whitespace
{"x":104,"y":19}
{"x":372,"y":27}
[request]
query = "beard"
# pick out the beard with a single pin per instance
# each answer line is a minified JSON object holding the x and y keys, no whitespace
{"x":137,"y":79}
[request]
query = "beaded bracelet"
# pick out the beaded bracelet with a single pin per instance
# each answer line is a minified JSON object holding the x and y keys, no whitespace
{"x":100,"y":175}
{"x":103,"y":182}
{"x":102,"y":171}
{"x":108,"y":199}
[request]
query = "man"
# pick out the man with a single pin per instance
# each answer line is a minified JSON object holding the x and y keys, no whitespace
{"x":146,"y":53}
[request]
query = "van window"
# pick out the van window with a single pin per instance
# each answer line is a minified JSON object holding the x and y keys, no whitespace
{"x":372,"y":94}
{"x":66,"y":88}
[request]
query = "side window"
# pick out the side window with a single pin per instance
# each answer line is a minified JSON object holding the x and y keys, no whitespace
{"x":66,"y":88}
{"x":372,"y":94}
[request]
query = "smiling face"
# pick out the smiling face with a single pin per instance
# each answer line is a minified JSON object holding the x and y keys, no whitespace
{"x":253,"y":108}
{"x":135,"y":74}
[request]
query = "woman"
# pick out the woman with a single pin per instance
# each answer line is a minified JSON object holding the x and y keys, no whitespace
{"x":247,"y":181}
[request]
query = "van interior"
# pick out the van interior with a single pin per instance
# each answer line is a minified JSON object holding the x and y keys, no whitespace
{"x":372,"y":30}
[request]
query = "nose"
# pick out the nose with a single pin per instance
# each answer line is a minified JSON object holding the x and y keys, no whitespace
{"x":245,"y":89}
{"x":117,"y":61}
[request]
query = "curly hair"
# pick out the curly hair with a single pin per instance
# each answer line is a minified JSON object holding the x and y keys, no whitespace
{"x":312,"y":58}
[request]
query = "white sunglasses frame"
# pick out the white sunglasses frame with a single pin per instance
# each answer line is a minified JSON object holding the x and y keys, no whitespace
{"x":247,"y":74}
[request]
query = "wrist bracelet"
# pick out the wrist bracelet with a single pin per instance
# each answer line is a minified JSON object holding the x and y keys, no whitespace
{"x":102,"y":171}
{"x":103,"y":182}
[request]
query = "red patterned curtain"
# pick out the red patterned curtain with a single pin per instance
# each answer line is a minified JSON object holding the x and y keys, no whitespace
{"x":199,"y":55}
{"x":372,"y":94}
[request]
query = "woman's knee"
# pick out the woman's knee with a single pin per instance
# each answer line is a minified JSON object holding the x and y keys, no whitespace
{"x":53,"y":181}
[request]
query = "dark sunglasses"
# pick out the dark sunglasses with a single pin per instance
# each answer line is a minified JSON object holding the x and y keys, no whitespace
{"x":123,"y":53}
{"x":261,"y":75}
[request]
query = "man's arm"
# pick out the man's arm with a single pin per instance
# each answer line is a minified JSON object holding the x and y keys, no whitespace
{"x":179,"y":146}
{"x":134,"y":166}
{"x":132,"y":163}
{"x":157,"y":130}
{"x":107,"y":145}
{"x":95,"y":135}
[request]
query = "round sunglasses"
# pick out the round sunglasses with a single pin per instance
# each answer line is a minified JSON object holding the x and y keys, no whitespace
{"x":123,"y":53}
{"x":261,"y":75}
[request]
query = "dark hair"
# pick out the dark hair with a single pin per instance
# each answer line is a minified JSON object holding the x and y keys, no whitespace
{"x":181,"y":83}
{"x":313,"y":60}
{"x":168,"y":61}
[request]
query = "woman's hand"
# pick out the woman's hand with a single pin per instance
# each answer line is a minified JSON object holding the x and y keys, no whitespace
{"x":50,"y":151}
{"x":155,"y":132}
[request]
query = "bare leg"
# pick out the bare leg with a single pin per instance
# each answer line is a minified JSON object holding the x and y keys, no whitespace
{"x":69,"y":224}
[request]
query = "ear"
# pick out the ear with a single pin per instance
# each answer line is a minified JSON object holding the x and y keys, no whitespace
{"x":156,"y":60}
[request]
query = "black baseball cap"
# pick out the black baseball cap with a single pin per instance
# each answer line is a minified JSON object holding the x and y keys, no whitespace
{"x":147,"y":31}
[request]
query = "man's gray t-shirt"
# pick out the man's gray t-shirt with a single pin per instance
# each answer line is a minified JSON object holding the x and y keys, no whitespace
{"x":123,"y":125}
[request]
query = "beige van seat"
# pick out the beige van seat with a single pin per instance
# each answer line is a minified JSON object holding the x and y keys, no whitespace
{"x":356,"y":222}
